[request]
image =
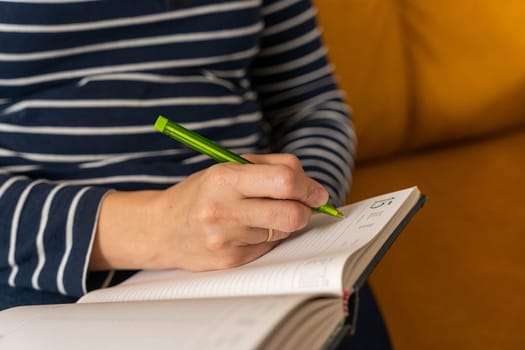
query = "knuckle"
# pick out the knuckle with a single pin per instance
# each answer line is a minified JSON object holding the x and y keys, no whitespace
{"x":215,"y":242}
{"x":220,"y":175}
{"x":208,"y":212}
{"x":292,"y":160}
{"x":295,"y":217}
{"x":285,"y":179}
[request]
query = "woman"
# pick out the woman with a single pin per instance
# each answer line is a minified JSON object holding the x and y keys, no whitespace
{"x":85,"y":179}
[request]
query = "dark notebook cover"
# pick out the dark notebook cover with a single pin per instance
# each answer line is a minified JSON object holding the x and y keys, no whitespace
{"x":353,"y":302}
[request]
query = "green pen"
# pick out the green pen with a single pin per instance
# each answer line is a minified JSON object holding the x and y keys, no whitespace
{"x":213,"y":150}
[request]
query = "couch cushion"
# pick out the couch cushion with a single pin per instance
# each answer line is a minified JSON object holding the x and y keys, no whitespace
{"x":426,"y":72}
{"x":455,"y":278}
{"x":467,"y":67}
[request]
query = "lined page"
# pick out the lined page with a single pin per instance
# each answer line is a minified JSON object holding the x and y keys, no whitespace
{"x":311,"y":261}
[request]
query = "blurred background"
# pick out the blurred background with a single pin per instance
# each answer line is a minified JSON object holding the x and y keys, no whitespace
{"x":437,"y":89}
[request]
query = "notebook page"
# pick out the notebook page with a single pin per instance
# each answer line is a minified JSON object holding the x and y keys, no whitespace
{"x":229,"y":324}
{"x":310,"y":262}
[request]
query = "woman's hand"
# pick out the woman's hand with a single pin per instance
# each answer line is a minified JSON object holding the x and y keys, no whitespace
{"x":216,"y":218}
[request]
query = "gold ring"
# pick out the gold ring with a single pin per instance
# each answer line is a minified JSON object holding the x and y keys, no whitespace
{"x":270,"y":235}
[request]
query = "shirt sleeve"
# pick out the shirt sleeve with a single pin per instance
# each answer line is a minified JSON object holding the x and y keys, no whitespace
{"x":46,"y":233}
{"x":300,"y":99}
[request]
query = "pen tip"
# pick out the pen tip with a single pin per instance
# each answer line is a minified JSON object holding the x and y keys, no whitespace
{"x":334,"y":212}
{"x":328,"y":209}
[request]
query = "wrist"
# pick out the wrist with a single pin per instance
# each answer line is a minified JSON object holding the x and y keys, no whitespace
{"x":123,"y":235}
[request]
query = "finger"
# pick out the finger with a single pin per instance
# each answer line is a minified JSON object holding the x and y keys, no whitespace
{"x":283,"y":216}
{"x":290,"y":160}
{"x":276,"y":181}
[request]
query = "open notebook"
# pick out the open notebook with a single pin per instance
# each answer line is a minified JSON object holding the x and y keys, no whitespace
{"x":294,"y":297}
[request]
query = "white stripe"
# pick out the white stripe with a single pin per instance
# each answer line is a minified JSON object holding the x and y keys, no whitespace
{"x":149,"y":179}
{"x":52,"y":157}
{"x":111,"y":273}
{"x":306,"y":152}
{"x":221,"y":122}
{"x":130,"y":156}
{"x":40,"y":236}
{"x":191,"y":62}
{"x":279,"y":5}
{"x":298,"y":81}
{"x":292,"y":44}
{"x":338,"y":154}
{"x":132,"y":43}
{"x":328,"y":167}
{"x":240,"y":141}
{"x":303,"y":109}
{"x":114,"y":103}
{"x":335,"y":116}
{"x":291,"y":65}
{"x":290,"y":22}
{"x":138,"y":20}
{"x":160,"y":79}
{"x":16,"y":169}
{"x":61,"y":158}
{"x":299,"y":91}
{"x":340,"y":159}
{"x":14,"y":231}
{"x":232,"y":73}
{"x":215,"y":79}
{"x":331,"y":114}
{"x":108,"y":158}
{"x":339,"y":105}
{"x":5,"y":186}
{"x":316,"y":131}
{"x":126,"y":130}
{"x":68,"y":239}
{"x":67,"y":130}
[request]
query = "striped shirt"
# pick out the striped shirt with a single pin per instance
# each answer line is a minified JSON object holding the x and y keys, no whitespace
{"x":82,"y":82}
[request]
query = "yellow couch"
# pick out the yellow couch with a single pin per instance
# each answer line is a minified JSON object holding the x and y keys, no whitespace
{"x":437,"y":89}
